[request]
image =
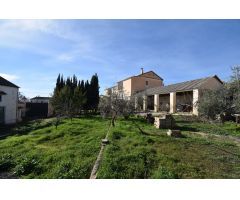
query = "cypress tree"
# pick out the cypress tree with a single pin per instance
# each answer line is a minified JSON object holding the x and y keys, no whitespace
{"x":87,"y":94}
{"x":94,"y":92}
{"x":58,"y":84}
{"x":83,"y":86}
{"x":71,"y":95}
{"x":62,"y":82}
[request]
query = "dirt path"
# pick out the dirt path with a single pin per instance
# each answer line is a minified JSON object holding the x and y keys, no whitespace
{"x":234,"y":139}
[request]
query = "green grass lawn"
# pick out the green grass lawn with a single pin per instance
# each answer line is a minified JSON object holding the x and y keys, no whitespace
{"x":42,"y":151}
{"x":188,"y":123}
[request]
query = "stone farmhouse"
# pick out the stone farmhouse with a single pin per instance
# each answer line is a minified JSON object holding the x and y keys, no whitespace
{"x":8,"y":102}
{"x":150,"y":94}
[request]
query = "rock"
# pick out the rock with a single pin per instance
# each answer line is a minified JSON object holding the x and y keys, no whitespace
{"x":174,"y":133}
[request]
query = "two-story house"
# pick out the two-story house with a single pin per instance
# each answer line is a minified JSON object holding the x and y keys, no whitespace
{"x":136,"y":84}
{"x":8,"y":102}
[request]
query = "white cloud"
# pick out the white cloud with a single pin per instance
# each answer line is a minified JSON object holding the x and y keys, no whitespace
{"x":9,"y":77}
{"x":31,"y":35}
{"x":65,"y":57}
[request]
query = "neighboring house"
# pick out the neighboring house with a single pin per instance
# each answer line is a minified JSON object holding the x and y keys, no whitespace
{"x":39,"y":107}
{"x":39,"y":99}
{"x":8,"y":102}
{"x":135,"y":84}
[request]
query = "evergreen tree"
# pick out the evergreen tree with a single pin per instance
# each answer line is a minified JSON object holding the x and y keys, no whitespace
{"x":71,"y":96}
{"x":58,"y":84}
{"x":62,"y":82}
{"x":94,"y":93}
{"x":83,"y":86}
{"x":87,"y":91}
{"x":79,"y":100}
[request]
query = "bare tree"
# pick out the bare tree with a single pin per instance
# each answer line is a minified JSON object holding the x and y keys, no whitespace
{"x":22,"y":97}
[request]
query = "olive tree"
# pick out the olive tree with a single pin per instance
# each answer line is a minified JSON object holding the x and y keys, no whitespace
{"x":116,"y":105}
{"x":215,"y":102}
{"x":224,"y":101}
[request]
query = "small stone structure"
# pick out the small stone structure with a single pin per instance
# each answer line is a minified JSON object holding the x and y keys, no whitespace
{"x":237,"y":118}
{"x":164,"y":121}
{"x":174,"y":133}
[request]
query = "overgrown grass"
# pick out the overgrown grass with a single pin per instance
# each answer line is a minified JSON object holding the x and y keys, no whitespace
{"x":67,"y":152}
{"x":155,"y":155}
{"x":188,"y":123}
{"x":42,"y":151}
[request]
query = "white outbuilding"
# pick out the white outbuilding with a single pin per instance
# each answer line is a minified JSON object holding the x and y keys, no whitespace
{"x":8,"y":102}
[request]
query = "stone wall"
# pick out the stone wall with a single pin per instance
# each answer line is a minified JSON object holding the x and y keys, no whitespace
{"x":164,"y":121}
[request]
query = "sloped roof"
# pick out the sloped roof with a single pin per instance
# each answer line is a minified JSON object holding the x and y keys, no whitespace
{"x":178,"y":87}
{"x":143,"y":75}
{"x":5,"y":82}
{"x":40,"y":98}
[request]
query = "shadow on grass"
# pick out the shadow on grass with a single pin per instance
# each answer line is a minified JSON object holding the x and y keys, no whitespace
{"x":184,"y":122}
{"x":185,"y":128}
{"x":137,"y":122}
{"x":24,"y":128}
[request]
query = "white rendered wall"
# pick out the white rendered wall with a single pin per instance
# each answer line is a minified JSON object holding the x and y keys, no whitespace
{"x":9,"y":102}
{"x":195,"y":101}
{"x":156,"y":102}
{"x":173,"y":102}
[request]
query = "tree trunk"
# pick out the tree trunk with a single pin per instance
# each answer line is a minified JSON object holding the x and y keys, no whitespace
{"x":113,"y":120}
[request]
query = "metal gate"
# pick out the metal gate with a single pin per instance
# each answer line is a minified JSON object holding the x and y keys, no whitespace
{"x":36,"y":110}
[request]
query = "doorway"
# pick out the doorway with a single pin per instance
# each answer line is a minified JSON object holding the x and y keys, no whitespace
{"x":2,"y":115}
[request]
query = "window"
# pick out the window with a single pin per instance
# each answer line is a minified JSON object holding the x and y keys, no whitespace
{"x":0,"y":98}
{"x":146,"y":82}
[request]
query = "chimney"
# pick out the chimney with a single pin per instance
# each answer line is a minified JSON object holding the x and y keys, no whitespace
{"x":141,"y":70}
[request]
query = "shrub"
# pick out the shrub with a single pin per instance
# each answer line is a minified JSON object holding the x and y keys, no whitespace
{"x":6,"y":162}
{"x":26,"y":166}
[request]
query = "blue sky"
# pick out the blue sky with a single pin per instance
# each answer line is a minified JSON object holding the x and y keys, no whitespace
{"x":34,"y":52}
